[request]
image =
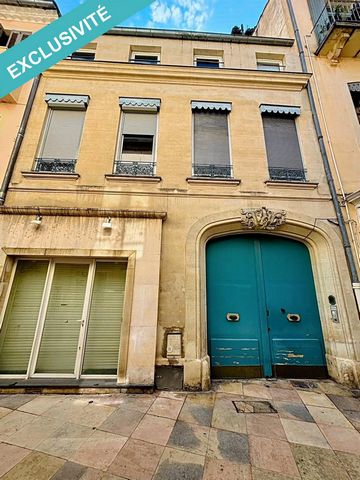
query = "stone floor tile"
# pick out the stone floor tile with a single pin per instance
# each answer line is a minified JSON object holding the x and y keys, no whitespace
{"x":93,"y":415}
{"x":15,"y":401}
{"x":92,"y":474}
{"x":108,"y":476}
{"x":351,"y":463}
{"x":32,"y":434}
{"x":226,"y":417}
{"x":70,"y":471}
{"x":278,"y":383}
{"x":258,"y":391}
{"x":4,"y":411}
{"x":293,"y":411}
{"x":316,"y":399}
{"x":165,"y":407}
{"x":154,"y":429}
{"x":332,"y":388}
{"x":259,"y":474}
{"x":304,"y":433}
{"x":235,"y":388}
{"x":122,"y":422}
{"x":137,"y":460}
{"x":346,"y":403}
{"x":329,"y":416}
{"x":216,"y":469}
{"x":142,"y":403}
{"x":342,"y":439}
{"x":174,"y":395}
{"x":41,"y":404}
{"x":354,"y":418}
{"x":36,"y":466}
{"x":198,"y":409}
{"x":285,"y":395}
{"x":65,"y":441}
{"x":10,"y":456}
{"x":265,"y":425}
{"x":190,"y":437}
{"x":99,"y":450}
{"x":318,"y":463}
{"x":13,"y":422}
{"x":272,"y":454}
{"x":230,"y":446}
{"x":179,"y":465}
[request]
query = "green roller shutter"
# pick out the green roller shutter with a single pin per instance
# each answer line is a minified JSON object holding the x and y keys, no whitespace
{"x":18,"y":330}
{"x":58,"y":348}
{"x":106,"y":314}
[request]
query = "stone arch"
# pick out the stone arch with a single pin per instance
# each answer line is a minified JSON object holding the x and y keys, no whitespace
{"x":342,"y":340}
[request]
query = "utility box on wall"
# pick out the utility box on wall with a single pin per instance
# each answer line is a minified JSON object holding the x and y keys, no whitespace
{"x":174,"y":344}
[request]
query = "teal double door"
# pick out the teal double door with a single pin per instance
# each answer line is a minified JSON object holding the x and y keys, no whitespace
{"x":263,"y":318}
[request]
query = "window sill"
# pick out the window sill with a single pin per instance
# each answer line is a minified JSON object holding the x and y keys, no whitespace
{"x":51,"y":176}
{"x":294,"y":184}
{"x":213,"y":181}
{"x":139,"y":178}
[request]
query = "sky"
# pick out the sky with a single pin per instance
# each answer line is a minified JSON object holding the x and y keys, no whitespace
{"x":200,"y":15}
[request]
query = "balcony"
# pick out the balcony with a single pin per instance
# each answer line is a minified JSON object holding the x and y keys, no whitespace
{"x":135,"y":169}
{"x":212,"y":171}
{"x":55,"y":165}
{"x":337,"y":27}
{"x":287,"y":174}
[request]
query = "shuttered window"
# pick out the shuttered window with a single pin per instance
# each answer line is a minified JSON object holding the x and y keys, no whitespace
{"x":21,"y":317}
{"x":60,"y":337}
{"x":283,"y":149}
{"x":138,"y":137}
{"x":63,"y":134}
{"x":106,"y":314}
{"x":211,"y":144}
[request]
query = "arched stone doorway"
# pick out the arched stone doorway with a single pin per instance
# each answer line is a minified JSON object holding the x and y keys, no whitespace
{"x":262,"y":313}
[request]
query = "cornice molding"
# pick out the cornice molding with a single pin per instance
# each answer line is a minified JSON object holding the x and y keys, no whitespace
{"x":82,"y":212}
{"x":165,"y":74}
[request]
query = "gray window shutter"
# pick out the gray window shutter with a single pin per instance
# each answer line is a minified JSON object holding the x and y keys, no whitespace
{"x":211,"y":142}
{"x":63,"y":134}
{"x":139,"y":123}
{"x":282,"y":143}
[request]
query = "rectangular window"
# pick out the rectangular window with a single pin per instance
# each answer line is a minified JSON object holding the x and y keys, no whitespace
{"x":16,"y":37}
{"x":269,"y":67}
{"x":211,"y":145}
{"x":147,"y":58}
{"x":207,"y":62}
{"x":283,"y":149}
{"x":61,"y":138}
{"x":355,"y":95}
{"x":137,"y":144}
{"x":82,"y":56}
{"x":63,"y":319}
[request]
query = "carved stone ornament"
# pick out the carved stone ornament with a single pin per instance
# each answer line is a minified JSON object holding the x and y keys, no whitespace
{"x":263,"y":218}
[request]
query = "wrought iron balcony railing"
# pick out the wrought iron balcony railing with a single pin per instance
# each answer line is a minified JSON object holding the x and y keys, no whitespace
{"x":327,"y":13}
{"x":55,"y":165}
{"x":135,"y":169}
{"x":287,"y":174}
{"x":212,"y":171}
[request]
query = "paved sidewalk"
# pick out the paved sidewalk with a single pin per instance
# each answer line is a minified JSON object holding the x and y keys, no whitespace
{"x":311,"y":431}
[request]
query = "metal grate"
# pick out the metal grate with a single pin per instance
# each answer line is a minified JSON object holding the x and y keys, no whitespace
{"x":135,"y":169}
{"x":55,"y":165}
{"x":212,"y":171}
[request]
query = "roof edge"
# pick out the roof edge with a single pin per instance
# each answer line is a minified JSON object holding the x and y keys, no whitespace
{"x":201,"y":36}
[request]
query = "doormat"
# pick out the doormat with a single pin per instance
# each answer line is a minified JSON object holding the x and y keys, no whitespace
{"x":251,"y":406}
{"x":304,"y":385}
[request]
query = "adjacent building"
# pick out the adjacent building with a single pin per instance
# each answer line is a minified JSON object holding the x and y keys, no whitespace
{"x":18,"y":20}
{"x":169,"y":220}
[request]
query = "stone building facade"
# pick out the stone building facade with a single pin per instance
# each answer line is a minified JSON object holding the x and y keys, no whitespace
{"x":166,"y":183}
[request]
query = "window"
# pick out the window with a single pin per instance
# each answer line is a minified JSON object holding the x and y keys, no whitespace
{"x":137,"y":140}
{"x":208,"y":62}
{"x":355,"y":95}
{"x":269,"y":67}
{"x":63,"y":319}
{"x":282,"y":143}
{"x":147,"y":58}
{"x":65,"y":120}
{"x":211,"y":140}
{"x":16,"y":37}
{"x":82,"y":56}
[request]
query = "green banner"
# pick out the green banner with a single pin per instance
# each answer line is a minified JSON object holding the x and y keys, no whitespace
{"x":61,"y":38}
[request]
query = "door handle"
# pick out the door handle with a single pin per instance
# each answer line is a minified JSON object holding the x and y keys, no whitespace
{"x":233,"y":317}
{"x":294,"y":317}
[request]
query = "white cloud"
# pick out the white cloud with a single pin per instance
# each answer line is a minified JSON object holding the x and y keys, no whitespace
{"x":186,"y":14}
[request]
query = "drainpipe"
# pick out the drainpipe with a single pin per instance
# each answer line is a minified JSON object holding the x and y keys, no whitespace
{"x":339,"y":215}
{"x":19,"y":140}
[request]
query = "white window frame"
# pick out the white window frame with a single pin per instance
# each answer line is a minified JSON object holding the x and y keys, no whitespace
{"x":270,"y":62}
{"x":134,"y":53}
{"x":42,"y":316}
{"x":209,"y":57}
{"x":20,"y":37}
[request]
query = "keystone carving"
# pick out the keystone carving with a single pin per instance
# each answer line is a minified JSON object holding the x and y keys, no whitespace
{"x":263,"y":218}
